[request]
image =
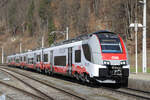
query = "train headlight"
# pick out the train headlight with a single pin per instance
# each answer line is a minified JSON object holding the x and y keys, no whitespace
{"x":123,"y":63}
{"x":106,"y":62}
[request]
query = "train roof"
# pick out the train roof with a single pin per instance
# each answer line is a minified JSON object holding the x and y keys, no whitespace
{"x":101,"y":31}
{"x":81,"y":37}
{"x":76,"y":39}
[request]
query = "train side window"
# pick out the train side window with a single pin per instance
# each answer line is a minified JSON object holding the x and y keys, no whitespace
{"x":38,"y":58}
{"x":30,"y":60}
{"x":77,"y":56}
{"x":17,"y":60}
{"x":24,"y":58}
{"x":87,"y":52}
{"x":45,"y":57}
{"x":20,"y":59}
{"x":60,"y":60}
{"x":9,"y":60}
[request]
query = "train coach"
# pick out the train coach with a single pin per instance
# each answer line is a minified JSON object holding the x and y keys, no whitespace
{"x":100,"y":56}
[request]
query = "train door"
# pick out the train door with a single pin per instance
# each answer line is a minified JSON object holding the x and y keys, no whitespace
{"x":34,"y":60}
{"x":51,"y":60}
{"x":70,"y":61}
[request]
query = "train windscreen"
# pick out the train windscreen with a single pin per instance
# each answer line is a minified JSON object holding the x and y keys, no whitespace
{"x":110,"y":43}
{"x":111,"y":48}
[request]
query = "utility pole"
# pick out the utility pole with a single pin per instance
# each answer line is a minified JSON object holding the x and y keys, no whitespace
{"x":43,"y":41}
{"x":144,"y":39}
{"x":2,"y":55}
{"x":67,"y":33}
{"x":136,"y":29}
{"x":20,"y":47}
{"x":136,"y":25}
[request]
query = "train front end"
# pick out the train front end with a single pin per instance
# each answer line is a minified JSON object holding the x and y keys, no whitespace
{"x":109,"y":58}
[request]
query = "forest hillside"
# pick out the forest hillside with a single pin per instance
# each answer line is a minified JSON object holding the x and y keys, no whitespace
{"x":27,"y":21}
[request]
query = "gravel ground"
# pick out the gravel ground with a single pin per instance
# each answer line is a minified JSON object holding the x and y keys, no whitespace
{"x":92,"y":93}
{"x":55,"y":94}
{"x":10,"y":93}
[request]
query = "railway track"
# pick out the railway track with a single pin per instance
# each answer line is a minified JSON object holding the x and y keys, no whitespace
{"x":21,"y":90}
{"x":131,"y":92}
{"x":41,"y":93}
{"x":146,"y":92}
{"x":143,"y":94}
{"x":122,"y":91}
{"x":77,"y":96}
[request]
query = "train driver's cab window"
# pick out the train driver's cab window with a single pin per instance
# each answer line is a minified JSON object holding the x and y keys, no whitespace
{"x":77,"y":56}
{"x":45,"y":57}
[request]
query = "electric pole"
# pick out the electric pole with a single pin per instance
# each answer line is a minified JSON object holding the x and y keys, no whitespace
{"x":144,"y":39}
{"x":2,"y":55}
{"x":43,"y":41}
{"x":67,"y":33}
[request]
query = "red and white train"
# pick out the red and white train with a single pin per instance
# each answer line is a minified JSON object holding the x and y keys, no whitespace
{"x":100,"y":56}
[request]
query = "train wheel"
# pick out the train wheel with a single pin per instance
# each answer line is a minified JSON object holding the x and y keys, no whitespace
{"x":49,"y":73}
{"x":24,"y":67}
{"x":77,"y":76}
{"x":87,"y":78}
{"x":40,"y":70}
{"x":21,"y":67}
{"x":82,"y":76}
{"x":37,"y":69}
{"x":45,"y":71}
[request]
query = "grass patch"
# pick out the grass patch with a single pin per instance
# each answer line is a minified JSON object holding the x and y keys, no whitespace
{"x":132,"y":69}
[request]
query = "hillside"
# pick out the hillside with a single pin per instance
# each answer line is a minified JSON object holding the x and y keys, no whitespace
{"x":26,"y":21}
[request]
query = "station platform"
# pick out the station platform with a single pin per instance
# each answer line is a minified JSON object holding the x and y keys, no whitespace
{"x":139,"y":81}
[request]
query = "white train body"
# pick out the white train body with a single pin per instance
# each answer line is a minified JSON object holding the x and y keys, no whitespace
{"x":89,"y":58}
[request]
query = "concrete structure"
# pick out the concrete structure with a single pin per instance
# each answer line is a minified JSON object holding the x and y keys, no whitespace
{"x":139,"y":81}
